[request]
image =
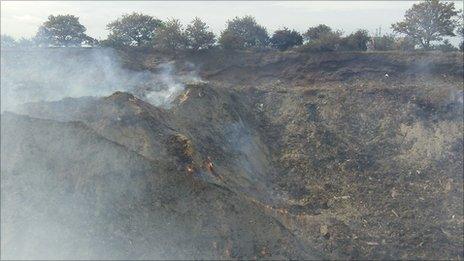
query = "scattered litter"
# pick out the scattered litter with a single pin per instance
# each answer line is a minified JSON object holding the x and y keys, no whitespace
{"x":342,"y":197}
{"x":448,"y":186}
{"x":184,"y":97}
{"x":324,"y":230}
{"x":445,"y":232}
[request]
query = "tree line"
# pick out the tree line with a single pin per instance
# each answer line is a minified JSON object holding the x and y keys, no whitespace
{"x":424,"y":26}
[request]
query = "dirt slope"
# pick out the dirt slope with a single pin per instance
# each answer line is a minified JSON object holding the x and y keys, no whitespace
{"x":60,"y":201}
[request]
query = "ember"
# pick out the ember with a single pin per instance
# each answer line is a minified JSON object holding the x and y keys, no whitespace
{"x":208,"y":164}
{"x":190,"y":169}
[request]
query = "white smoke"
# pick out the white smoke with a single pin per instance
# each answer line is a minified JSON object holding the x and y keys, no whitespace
{"x":170,"y":87}
{"x":52,"y":74}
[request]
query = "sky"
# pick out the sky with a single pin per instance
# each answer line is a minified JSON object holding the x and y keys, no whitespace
{"x":22,"y":18}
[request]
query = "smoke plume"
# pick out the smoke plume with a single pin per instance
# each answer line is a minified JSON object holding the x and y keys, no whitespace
{"x":53,"y":74}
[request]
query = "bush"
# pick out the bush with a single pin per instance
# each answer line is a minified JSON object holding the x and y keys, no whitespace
{"x":356,"y":41}
{"x":26,"y":43}
{"x":405,"y":44}
{"x":231,"y":41}
{"x":460,"y":33}
{"x":325,"y":43}
{"x":446,"y":46}
{"x":384,"y":43}
{"x":284,"y":39}
{"x":7,"y":41}
{"x":322,"y":39}
{"x":243,"y":33}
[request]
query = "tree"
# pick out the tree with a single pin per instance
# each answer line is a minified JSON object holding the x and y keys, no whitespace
{"x":133,"y":30}
{"x":7,"y":41}
{"x":428,"y":21}
{"x":317,"y":32}
{"x":198,"y":36}
{"x":244,"y":33}
{"x":171,"y":36}
{"x":284,"y":39}
{"x":356,"y":41}
{"x":460,"y":31}
{"x":63,"y":30}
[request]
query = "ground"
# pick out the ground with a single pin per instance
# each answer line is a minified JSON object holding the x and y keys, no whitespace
{"x":313,"y":156}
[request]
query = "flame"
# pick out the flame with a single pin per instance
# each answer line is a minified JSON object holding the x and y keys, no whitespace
{"x":189,"y":169}
{"x":209,"y":164}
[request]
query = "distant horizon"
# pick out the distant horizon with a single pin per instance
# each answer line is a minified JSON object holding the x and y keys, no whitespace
{"x":22,"y":18}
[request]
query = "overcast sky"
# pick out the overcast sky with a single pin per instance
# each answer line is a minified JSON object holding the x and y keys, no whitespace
{"x":22,"y":18}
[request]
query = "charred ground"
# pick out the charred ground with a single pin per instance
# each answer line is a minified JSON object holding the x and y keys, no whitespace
{"x":312,"y":155}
